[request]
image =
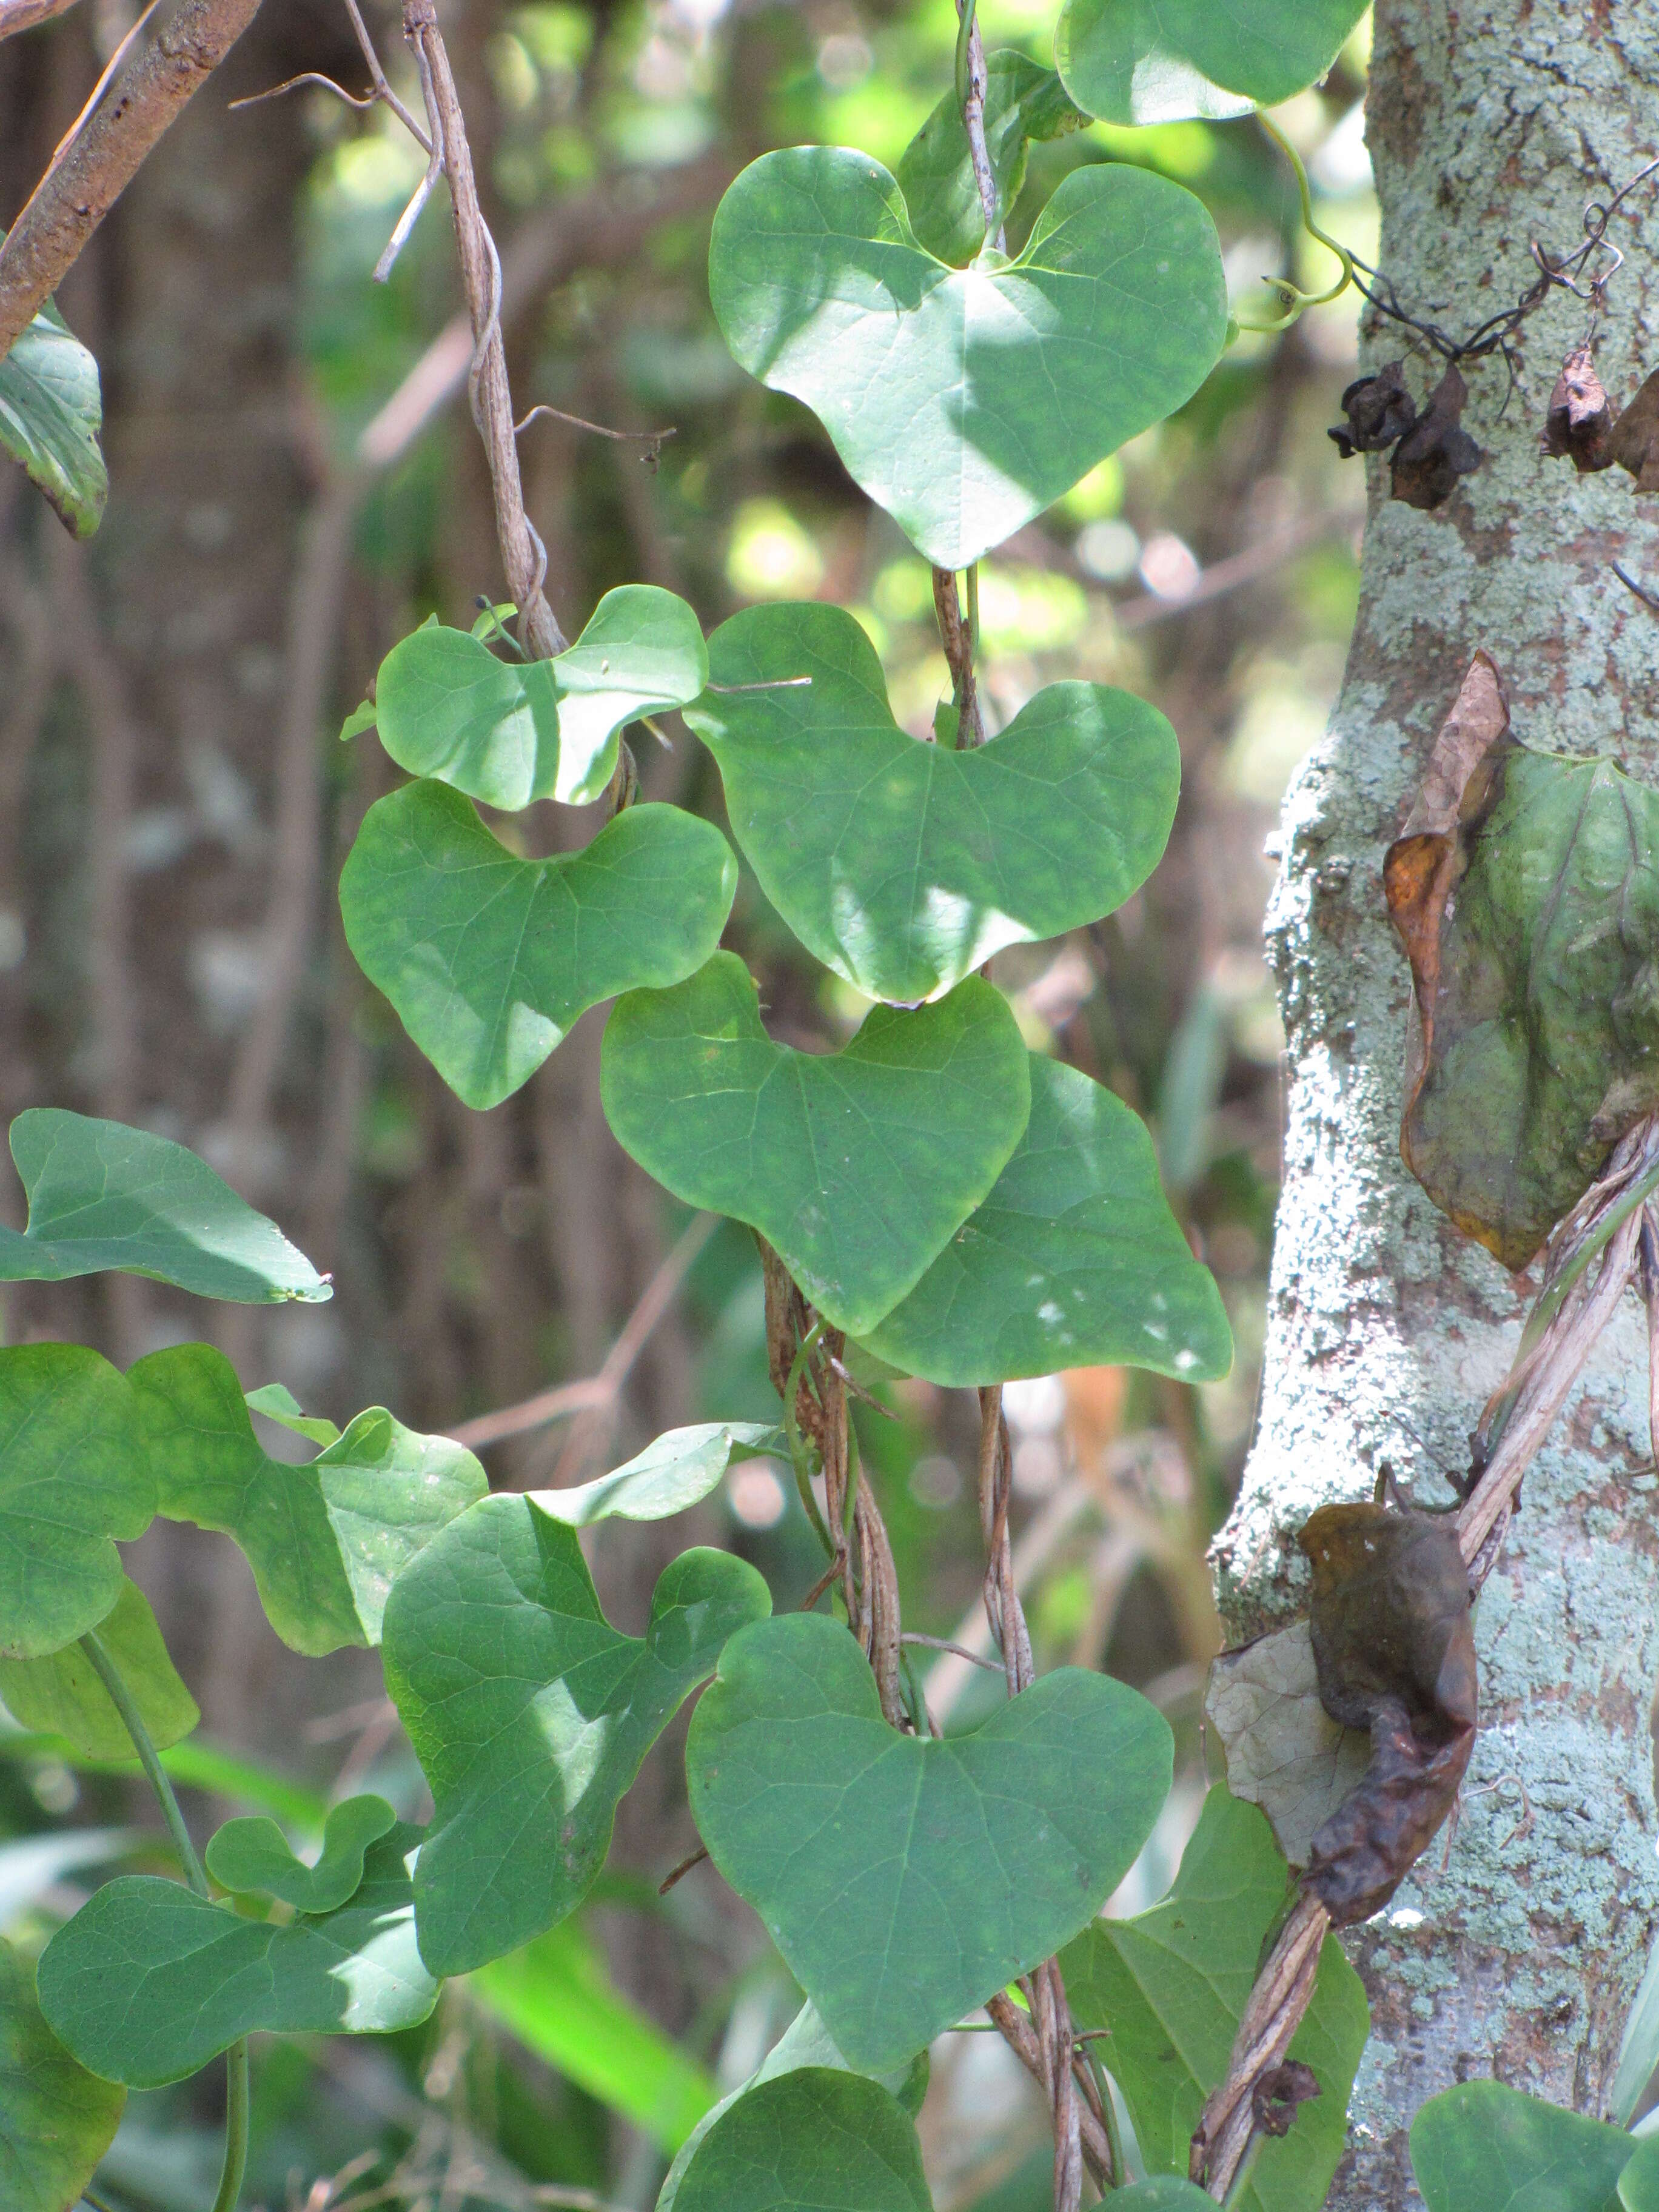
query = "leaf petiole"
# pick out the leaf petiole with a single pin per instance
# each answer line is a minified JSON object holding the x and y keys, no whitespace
{"x":236,"y":2084}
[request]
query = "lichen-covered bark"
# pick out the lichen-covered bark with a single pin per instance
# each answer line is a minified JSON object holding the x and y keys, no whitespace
{"x":1490,"y":126}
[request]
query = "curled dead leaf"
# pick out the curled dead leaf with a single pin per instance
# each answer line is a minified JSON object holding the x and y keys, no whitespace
{"x":1438,"y":450}
{"x":1634,"y":440}
{"x":1394,"y":1643}
{"x":1282,"y":1750}
{"x":1580,"y":417}
{"x":1278,"y":2093}
{"x":1379,"y":409}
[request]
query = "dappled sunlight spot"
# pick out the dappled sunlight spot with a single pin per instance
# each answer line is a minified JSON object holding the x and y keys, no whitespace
{"x":576,"y":1742}
{"x":770,"y":557}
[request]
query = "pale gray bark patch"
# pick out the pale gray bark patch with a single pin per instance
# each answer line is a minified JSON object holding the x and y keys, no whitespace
{"x":1490,"y":125}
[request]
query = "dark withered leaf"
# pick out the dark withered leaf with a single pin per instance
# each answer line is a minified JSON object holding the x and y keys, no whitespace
{"x":1433,"y":455}
{"x":1394,"y":1643}
{"x":1379,"y":409}
{"x":1634,"y":443}
{"x":1526,"y":891}
{"x":1278,"y":2092}
{"x":1580,"y":418}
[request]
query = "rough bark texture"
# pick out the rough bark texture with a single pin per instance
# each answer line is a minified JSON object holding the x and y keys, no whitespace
{"x":1490,"y":126}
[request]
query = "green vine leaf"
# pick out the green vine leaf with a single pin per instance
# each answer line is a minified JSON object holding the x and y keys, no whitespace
{"x":63,"y":1409}
{"x":56,"y":2119}
{"x":278,"y":1403}
{"x":815,"y":2137}
{"x":1165,"y":2192}
{"x":149,"y":1981}
{"x":880,"y":1864}
{"x":530,"y":1713}
{"x":488,"y":960}
{"x":102,"y":1196}
{"x":676,"y":1472}
{"x":1073,"y":1260}
{"x":965,"y":401}
{"x":1638,"y":2184}
{"x":1172,"y":1983}
{"x":508,"y":732}
{"x":1023,"y":103}
{"x":1165,"y":61}
{"x":856,"y":1166}
{"x":252,"y":1855}
{"x":325,"y":1539}
{"x":804,"y":2043}
{"x":60,"y":1694}
{"x":52,"y":410}
{"x":1483,"y":2147}
{"x":905,"y":866}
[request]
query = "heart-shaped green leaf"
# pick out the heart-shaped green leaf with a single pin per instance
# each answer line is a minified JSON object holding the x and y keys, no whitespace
{"x":1162,"y":61}
{"x":530,"y":1713}
{"x":675,"y":1472}
{"x":488,"y":959}
{"x":857,"y":1165}
{"x":149,"y":1981}
{"x":325,"y":1539}
{"x":1172,"y":1983}
{"x":51,"y":413}
{"x":102,"y":1196}
{"x":904,"y":866}
{"x":60,"y":1694}
{"x":804,"y":2043}
{"x":880,"y":1864}
{"x":1023,"y":103}
{"x":1073,"y":1260}
{"x":814,"y":2140}
{"x":252,"y":1854}
{"x":508,"y":732}
{"x":1638,"y":2184}
{"x":1483,"y":2147}
{"x":965,"y":401}
{"x":74,"y":1476}
{"x":278,"y":1403}
{"x":56,"y":2119}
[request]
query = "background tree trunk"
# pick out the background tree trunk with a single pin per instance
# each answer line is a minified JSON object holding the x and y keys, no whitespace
{"x":1489,"y":127}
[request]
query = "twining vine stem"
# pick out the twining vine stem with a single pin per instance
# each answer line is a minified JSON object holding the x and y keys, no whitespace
{"x":236,"y":2080}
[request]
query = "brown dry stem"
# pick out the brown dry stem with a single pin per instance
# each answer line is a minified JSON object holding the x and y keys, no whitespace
{"x":88,"y":175}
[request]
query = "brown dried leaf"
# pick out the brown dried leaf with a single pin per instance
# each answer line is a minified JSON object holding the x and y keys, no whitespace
{"x":1421,"y":868}
{"x":1379,"y":409}
{"x":1579,"y":424}
{"x":1394,"y":1643}
{"x":1278,"y":2092}
{"x":1284,"y":1751}
{"x":1433,"y":455}
{"x":1634,"y":441}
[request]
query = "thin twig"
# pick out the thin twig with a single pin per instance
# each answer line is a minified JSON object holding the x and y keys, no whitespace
{"x":422,"y":192}
{"x":523,"y":555}
{"x":73,"y":197}
{"x":683,"y":1868}
{"x":598,"y":1391}
{"x":380,"y":82}
{"x":959,"y":1651}
{"x":652,"y":440}
{"x":292,"y":84}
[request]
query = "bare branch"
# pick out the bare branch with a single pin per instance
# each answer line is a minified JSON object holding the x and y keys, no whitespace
{"x":596,"y":1393}
{"x":78,"y":192}
{"x":24,"y":15}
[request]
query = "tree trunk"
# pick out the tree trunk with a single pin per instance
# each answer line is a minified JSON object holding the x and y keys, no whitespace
{"x":1489,"y":127}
